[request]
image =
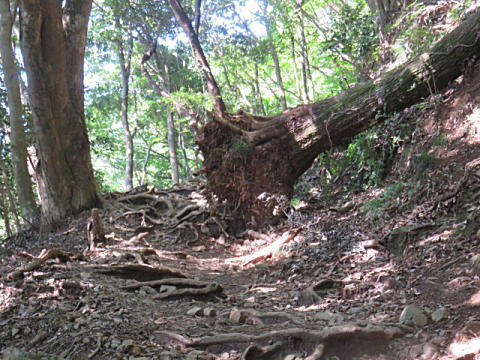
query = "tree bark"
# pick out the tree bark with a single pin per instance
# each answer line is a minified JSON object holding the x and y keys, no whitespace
{"x":23,"y":182}
{"x":198,"y":14}
{"x":385,"y":9}
{"x":163,"y":88}
{"x":172,"y":147}
{"x":276,"y":61}
{"x":264,"y":156}
{"x":125,"y":60}
{"x":53,"y":54}
{"x":212,"y":87}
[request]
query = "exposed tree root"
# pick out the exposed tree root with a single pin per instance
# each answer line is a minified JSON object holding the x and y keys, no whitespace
{"x":320,"y":337}
{"x":259,"y":317}
{"x":180,"y":211}
{"x":190,"y":287}
{"x":317,"y":353}
{"x":38,"y":261}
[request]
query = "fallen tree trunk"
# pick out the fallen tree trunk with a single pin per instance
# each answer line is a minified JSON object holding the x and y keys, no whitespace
{"x":257,"y":155}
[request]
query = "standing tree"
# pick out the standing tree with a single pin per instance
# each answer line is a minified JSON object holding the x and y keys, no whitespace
{"x":53,"y":46}
{"x":18,"y":140}
{"x":124,"y":52}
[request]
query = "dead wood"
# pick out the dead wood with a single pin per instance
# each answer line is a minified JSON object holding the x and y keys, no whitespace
{"x":346,"y":331}
{"x":169,"y":281}
{"x":138,"y":237}
{"x":209,"y":289}
{"x":95,"y":231}
{"x":39,"y":261}
{"x":268,"y":251}
{"x":257,"y":235}
{"x":138,"y":272}
{"x":274,"y":156}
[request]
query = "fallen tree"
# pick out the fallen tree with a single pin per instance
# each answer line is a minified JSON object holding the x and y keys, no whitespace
{"x":250,"y":159}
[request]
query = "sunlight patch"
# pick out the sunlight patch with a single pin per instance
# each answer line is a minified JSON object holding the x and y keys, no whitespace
{"x":474,"y":120}
{"x":464,"y":348}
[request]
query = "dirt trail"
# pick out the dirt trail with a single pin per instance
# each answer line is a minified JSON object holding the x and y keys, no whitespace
{"x":389,"y":273}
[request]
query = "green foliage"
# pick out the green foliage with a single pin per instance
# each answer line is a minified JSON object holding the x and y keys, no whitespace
{"x":365,"y":160}
{"x":413,"y":31}
{"x":440,"y":140}
{"x":354,"y":37}
{"x":457,"y":13}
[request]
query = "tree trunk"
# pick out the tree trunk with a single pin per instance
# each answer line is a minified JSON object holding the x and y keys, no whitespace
{"x":306,"y":71}
{"x":181,"y":146}
{"x":249,"y":163}
{"x":23,"y":182}
{"x":172,"y":146}
{"x":212,"y":87}
{"x":53,"y":54}
{"x":276,"y":61}
{"x":125,"y":60}
{"x":385,"y":10}
{"x":257,"y":92}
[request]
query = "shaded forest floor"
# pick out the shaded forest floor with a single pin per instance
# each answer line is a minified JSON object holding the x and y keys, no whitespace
{"x":388,"y":273}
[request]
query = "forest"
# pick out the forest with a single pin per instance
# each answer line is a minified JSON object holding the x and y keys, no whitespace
{"x":299,"y":178}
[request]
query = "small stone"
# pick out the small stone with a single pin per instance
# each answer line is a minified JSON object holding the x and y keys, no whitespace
{"x":438,"y":340}
{"x":115,"y":343}
{"x":355,"y":310}
{"x":148,"y":290}
{"x":438,"y":314}
{"x":324,"y":316}
{"x":166,"y":355}
{"x":370,"y":244}
{"x":195,"y":355}
{"x":231,"y":298}
{"x":329,"y":317}
{"x":475,"y":259}
{"x":167,"y":288}
{"x":195,"y":311}
{"x":15,"y":331}
{"x":290,"y":357}
{"x":210,"y":312}
{"x":429,"y":352}
{"x":127,"y":343}
{"x":413,"y":315}
{"x":199,"y":248}
{"x":415,"y":351}
{"x":237,"y":316}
